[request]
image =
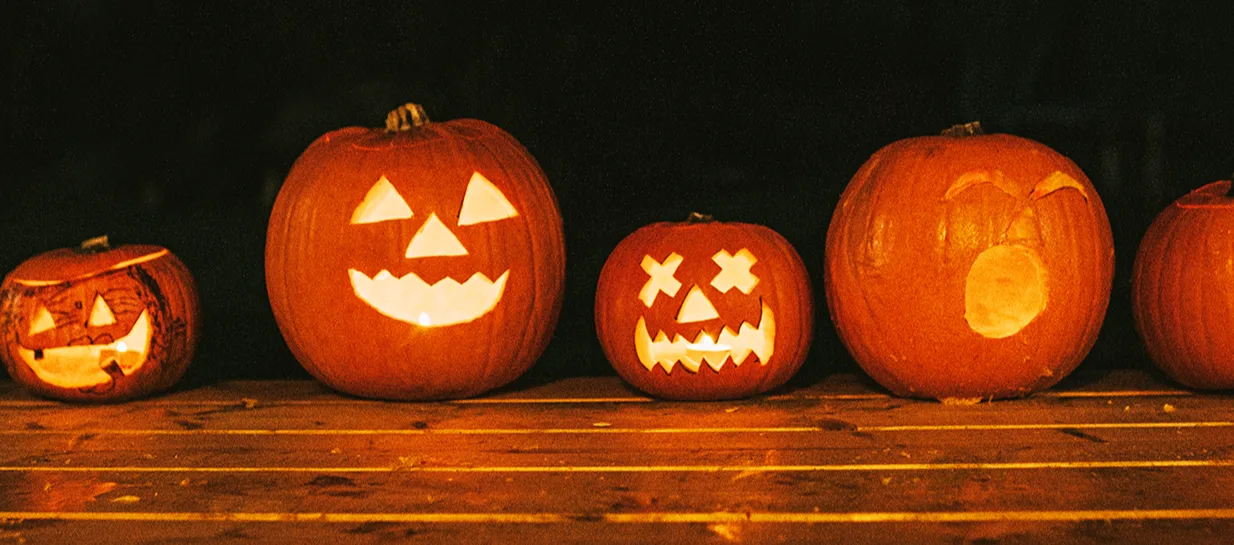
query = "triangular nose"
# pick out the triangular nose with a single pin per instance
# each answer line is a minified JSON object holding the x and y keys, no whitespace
{"x":696,"y":308}
{"x":434,"y":239}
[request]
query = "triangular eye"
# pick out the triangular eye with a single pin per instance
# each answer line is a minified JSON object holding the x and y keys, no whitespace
{"x":381,"y":203}
{"x":42,"y":321}
{"x":484,"y":202}
{"x":100,"y":313}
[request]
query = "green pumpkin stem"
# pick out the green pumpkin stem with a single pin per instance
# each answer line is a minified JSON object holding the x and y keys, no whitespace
{"x":697,"y":217}
{"x":406,"y":117}
{"x":94,"y":245}
{"x":967,"y":129}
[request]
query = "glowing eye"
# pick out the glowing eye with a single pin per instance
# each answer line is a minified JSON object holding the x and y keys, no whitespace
{"x":381,"y":203}
{"x":100,"y":314}
{"x":661,"y":278}
{"x":42,"y":321}
{"x":484,"y":202}
{"x":734,"y":271}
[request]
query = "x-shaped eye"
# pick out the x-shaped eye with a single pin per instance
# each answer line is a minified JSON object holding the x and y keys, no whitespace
{"x":661,"y":278}
{"x":734,"y":271}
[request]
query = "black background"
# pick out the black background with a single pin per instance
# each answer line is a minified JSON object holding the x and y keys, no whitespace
{"x":174,"y":123}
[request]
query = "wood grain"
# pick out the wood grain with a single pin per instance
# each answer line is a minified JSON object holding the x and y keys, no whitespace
{"x":1112,"y":457}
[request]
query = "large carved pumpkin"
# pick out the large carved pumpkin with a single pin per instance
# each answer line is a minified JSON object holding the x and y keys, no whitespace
{"x":97,"y":323}
{"x":1183,"y":288}
{"x":704,"y":309}
{"x":968,"y":266}
{"x":420,"y":261}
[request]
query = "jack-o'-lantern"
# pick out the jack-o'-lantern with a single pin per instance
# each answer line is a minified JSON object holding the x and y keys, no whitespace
{"x":704,"y":310}
{"x":1182,"y":288}
{"x":420,"y":261}
{"x":97,"y":323}
{"x":968,"y":266}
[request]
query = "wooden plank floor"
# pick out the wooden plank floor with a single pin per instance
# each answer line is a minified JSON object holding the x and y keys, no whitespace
{"x":1115,"y":457}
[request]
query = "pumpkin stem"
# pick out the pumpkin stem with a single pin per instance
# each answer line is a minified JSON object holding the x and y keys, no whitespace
{"x":696,"y":217}
{"x":967,"y":129}
{"x":95,"y":245}
{"x":406,"y":117}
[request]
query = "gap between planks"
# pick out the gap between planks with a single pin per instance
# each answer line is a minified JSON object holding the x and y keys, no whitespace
{"x":639,"y":518}
{"x":942,"y":466}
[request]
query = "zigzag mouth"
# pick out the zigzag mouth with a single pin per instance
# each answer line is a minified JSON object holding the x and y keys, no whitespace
{"x":86,"y":365}
{"x":691,"y":354}
{"x":446,"y":302}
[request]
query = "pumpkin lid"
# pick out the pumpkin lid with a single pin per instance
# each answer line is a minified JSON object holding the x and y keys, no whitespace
{"x":94,"y":256}
{"x":1214,"y":195}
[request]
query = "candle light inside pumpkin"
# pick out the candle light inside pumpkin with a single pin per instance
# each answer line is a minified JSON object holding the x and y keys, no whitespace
{"x":706,"y":346}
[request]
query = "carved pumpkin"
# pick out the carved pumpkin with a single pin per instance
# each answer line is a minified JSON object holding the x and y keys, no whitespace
{"x":968,"y":266}
{"x":420,"y":261}
{"x":98,"y":323}
{"x":704,"y":309}
{"x":1183,"y":288}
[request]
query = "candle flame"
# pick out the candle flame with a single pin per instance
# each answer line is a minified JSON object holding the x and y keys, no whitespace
{"x":122,"y":347}
{"x":424,"y":319}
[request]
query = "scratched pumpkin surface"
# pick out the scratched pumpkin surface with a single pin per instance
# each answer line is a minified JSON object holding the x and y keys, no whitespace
{"x":973,"y":266}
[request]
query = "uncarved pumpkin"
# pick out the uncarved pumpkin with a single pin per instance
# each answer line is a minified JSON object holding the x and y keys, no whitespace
{"x":419,"y":261}
{"x":968,"y":266}
{"x":1183,"y":288}
{"x":704,"y":310}
{"x":97,"y":323}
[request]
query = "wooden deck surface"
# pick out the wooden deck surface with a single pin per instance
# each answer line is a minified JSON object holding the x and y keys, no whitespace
{"x":1116,"y":457}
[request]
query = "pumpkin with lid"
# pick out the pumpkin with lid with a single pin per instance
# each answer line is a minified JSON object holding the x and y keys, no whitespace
{"x":97,"y":323}
{"x":423,"y":260}
{"x":1182,"y":288}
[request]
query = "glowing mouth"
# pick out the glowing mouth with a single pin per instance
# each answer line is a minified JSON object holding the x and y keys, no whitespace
{"x":412,"y":300}
{"x":83,"y":366}
{"x":692,"y":354}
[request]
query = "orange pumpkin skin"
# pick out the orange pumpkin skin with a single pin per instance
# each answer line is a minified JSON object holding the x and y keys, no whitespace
{"x":1182,"y":288}
{"x":782,"y":287}
{"x":909,"y":231}
{"x":137,"y":284}
{"x":312,"y":248}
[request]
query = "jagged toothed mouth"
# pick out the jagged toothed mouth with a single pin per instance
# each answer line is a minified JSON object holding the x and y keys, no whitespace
{"x":410,"y":299}
{"x":83,"y":366}
{"x":691,"y":354}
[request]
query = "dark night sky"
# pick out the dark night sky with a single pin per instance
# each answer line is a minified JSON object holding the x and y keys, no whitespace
{"x":173,"y":123}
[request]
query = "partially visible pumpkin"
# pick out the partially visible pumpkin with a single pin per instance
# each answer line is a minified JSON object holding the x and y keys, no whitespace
{"x":1182,"y":288}
{"x":417,"y":261}
{"x":98,"y":323}
{"x":968,"y":266}
{"x":704,"y":310}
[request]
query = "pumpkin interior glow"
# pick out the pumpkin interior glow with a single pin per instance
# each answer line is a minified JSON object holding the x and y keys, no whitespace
{"x":73,"y":344}
{"x":409,"y":298}
{"x":700,"y":346}
{"x":83,"y":366}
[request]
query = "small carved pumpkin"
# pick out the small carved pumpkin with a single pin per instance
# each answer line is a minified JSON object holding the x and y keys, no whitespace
{"x":704,"y":309}
{"x":1183,"y":288}
{"x":968,"y":266}
{"x":99,"y":323}
{"x":422,"y":261}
